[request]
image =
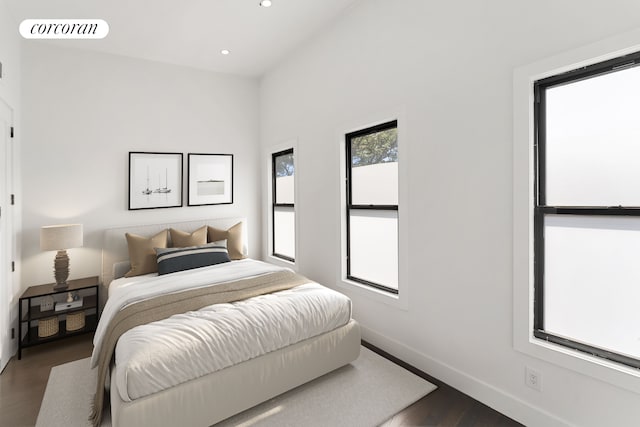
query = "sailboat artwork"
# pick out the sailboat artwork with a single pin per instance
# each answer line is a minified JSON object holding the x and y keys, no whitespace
{"x":147,"y":190}
{"x":155,"y":180}
{"x":165,"y":189}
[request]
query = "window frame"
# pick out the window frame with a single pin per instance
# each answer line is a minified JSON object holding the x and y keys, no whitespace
{"x":541,"y":209}
{"x":524,"y":341}
{"x":393,"y":124}
{"x":275,"y":205}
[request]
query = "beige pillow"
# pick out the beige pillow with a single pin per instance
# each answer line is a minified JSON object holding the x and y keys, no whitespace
{"x":233,"y":236}
{"x":181,"y":239}
{"x":142,"y":255}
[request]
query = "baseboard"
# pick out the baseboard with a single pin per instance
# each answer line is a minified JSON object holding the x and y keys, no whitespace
{"x":498,"y":399}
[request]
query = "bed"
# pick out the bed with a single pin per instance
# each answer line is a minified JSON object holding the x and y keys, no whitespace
{"x":249,"y":365}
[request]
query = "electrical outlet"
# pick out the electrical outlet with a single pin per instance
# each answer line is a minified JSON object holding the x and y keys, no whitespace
{"x":533,"y":378}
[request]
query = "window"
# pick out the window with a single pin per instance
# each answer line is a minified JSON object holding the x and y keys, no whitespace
{"x":283,"y":207}
{"x":372,"y":206}
{"x":587,"y":210}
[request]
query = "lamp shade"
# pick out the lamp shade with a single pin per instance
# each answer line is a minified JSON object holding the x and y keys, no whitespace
{"x":59,"y":237}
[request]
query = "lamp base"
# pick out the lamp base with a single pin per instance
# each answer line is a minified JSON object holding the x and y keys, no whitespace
{"x":61,"y":270}
{"x":60,"y":286}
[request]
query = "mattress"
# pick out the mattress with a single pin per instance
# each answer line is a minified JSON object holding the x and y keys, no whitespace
{"x":160,"y":355}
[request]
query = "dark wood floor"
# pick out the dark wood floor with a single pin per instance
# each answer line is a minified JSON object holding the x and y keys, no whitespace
{"x":444,"y":407}
{"x":23,"y":382}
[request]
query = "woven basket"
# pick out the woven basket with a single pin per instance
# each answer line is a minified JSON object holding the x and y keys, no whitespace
{"x":75,"y":321}
{"x":48,"y":327}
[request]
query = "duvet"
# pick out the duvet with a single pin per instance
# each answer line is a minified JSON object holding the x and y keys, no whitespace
{"x":183,"y":346}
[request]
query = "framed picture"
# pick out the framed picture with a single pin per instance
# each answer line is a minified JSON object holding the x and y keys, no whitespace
{"x":155,"y":180}
{"x":210,"y":179}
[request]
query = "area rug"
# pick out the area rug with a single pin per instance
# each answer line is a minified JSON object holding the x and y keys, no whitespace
{"x":365,"y":393}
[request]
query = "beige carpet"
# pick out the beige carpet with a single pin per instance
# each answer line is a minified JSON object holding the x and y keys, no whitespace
{"x":365,"y":393}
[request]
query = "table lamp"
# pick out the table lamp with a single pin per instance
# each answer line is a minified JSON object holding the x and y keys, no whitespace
{"x":60,"y":238}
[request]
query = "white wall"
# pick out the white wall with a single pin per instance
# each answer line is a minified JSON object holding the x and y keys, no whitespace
{"x":449,"y":67}
{"x":86,"y":111}
{"x":10,"y":58}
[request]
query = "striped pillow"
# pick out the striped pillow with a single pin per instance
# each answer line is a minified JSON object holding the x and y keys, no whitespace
{"x":171,"y":260}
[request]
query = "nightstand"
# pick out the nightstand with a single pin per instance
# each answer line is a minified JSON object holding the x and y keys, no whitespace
{"x":45,"y":315}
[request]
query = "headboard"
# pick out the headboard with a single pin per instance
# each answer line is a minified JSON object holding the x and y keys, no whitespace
{"x":115,"y":248}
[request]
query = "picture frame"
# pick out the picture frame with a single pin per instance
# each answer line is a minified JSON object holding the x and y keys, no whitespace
{"x":210,"y":179}
{"x":155,"y":180}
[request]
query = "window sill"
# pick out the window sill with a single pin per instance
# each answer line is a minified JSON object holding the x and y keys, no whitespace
{"x":398,"y":301}
{"x":613,"y":373}
{"x":281,"y":262}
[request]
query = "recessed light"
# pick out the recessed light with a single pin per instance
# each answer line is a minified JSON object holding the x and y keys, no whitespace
{"x":265,"y":3}
{"x":225,"y":51}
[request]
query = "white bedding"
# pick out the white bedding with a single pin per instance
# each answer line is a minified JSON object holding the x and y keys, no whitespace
{"x":145,"y":288}
{"x":157,"y":356}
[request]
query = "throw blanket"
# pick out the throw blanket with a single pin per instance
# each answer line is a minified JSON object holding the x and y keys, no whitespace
{"x":164,"y":306}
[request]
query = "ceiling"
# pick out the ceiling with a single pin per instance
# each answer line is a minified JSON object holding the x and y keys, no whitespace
{"x":193,"y":32}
